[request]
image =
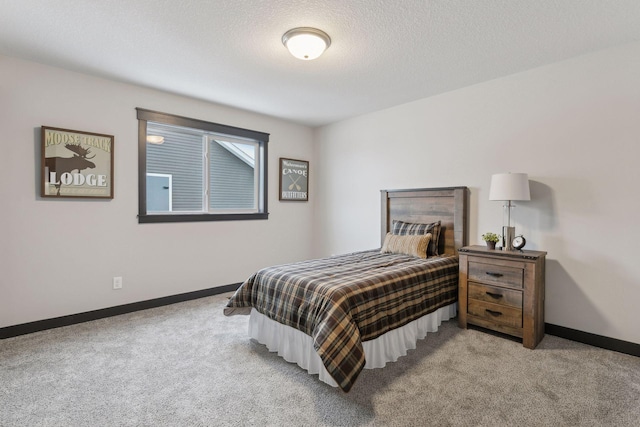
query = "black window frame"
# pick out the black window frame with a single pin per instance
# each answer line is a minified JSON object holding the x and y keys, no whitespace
{"x":145,"y":116}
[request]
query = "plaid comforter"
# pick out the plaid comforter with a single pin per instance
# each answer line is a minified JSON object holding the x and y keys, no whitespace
{"x":343,"y":300}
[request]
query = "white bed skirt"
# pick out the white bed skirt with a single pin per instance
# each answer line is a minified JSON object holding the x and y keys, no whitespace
{"x":297,"y":347}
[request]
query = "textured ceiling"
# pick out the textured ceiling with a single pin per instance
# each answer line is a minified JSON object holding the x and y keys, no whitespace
{"x":383,"y":52}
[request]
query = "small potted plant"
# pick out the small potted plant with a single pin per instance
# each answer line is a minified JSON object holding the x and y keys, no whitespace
{"x":491,"y":239}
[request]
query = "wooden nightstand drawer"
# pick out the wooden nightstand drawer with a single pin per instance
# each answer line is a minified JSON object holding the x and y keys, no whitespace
{"x":496,"y":313}
{"x":496,"y":274}
{"x":496,"y":295}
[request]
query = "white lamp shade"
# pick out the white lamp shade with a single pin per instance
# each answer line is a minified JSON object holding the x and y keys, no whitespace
{"x":306,"y":43}
{"x":509,"y":186}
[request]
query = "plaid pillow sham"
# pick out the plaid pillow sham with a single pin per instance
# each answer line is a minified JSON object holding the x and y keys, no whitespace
{"x":402,"y":228}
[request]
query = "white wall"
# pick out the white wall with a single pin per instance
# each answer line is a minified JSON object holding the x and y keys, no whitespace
{"x":58,"y":257}
{"x":572,"y":126}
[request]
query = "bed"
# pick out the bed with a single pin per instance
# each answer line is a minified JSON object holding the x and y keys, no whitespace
{"x":335,"y":316}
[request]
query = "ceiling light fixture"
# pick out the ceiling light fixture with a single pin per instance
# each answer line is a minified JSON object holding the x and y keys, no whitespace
{"x":155,"y":139}
{"x":306,"y":43}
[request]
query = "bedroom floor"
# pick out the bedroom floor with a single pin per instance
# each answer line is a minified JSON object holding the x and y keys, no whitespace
{"x":188,"y":365}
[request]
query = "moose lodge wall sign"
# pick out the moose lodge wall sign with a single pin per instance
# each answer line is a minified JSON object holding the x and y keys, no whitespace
{"x":76,"y":164}
{"x":294,"y":180}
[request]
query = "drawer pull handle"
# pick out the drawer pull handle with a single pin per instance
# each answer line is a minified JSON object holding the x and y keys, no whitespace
{"x":495,"y":296}
{"x":494,"y":274}
{"x":493,"y":313}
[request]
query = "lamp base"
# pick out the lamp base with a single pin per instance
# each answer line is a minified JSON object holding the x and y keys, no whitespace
{"x":508,"y":233}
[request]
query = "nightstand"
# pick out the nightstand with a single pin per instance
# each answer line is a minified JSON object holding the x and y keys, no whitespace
{"x":502,"y":291}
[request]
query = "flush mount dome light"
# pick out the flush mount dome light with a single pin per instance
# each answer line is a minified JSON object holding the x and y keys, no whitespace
{"x":306,"y":43}
{"x":155,"y":139}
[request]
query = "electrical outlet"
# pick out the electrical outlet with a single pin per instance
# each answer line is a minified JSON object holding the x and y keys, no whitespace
{"x":117,"y":282}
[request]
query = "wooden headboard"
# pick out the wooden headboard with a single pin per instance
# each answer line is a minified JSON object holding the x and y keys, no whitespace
{"x":424,"y":205}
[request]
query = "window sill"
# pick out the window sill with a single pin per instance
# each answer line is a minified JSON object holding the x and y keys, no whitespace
{"x":148,"y":219}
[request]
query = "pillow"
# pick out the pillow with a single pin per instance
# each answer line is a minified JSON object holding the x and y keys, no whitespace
{"x":414,"y":245}
{"x":402,"y":228}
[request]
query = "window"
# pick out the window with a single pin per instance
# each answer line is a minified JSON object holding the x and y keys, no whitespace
{"x":191,"y":170}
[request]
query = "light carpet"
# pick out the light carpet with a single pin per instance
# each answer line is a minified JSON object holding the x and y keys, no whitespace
{"x":188,"y":365}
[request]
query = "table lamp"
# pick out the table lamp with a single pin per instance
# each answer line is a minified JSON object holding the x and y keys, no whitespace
{"x":509,"y":187}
